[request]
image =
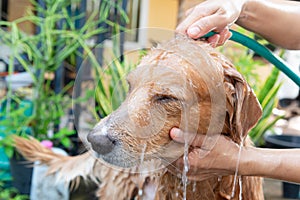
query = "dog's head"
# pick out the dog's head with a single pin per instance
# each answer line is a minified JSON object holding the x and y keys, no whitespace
{"x":182,"y":83}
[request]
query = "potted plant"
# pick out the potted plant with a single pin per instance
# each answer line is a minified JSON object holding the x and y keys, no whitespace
{"x":15,"y":121}
{"x":267,"y":96}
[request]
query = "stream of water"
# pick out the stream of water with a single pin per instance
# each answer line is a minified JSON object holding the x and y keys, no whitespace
{"x":185,"y":168}
{"x":241,"y":188}
{"x":140,"y":192}
{"x":236,"y":177}
{"x":186,"y":152}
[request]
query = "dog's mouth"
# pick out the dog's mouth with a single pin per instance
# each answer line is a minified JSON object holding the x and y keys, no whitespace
{"x":113,"y":151}
{"x":119,"y":153}
{"x":118,"y":158}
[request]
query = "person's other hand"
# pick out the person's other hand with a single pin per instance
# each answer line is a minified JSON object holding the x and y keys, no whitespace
{"x":211,"y":15}
{"x":206,"y":161}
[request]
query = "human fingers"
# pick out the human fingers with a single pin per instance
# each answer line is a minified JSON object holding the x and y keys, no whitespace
{"x":220,"y":38}
{"x":194,"y":160}
{"x":192,"y":174}
{"x":177,"y":135}
{"x":189,"y":11}
{"x":200,"y":166}
{"x":194,"y":14}
{"x":214,"y":40}
{"x":181,"y":137}
{"x":225,"y":35}
{"x":210,"y":15}
{"x":216,"y":22}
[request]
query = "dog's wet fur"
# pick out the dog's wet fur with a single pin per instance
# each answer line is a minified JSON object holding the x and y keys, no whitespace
{"x":181,"y":83}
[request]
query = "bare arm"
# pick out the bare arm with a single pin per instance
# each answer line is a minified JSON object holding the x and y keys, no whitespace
{"x":276,"y":20}
{"x":283,"y":164}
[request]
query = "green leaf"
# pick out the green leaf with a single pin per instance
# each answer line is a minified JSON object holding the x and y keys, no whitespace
{"x":9,"y":151}
{"x":46,"y":51}
{"x":66,"y":142}
{"x":268,"y":85}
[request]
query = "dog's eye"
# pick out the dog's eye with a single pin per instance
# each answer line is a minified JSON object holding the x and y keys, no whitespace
{"x":160,"y":98}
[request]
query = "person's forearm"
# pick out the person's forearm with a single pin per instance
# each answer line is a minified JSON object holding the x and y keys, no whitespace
{"x":283,"y":164}
{"x":276,"y":20}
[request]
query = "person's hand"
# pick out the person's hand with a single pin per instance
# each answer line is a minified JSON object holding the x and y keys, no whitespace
{"x":211,"y":15}
{"x":218,"y":158}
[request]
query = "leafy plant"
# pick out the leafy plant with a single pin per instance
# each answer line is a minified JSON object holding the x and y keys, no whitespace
{"x":16,"y":122}
{"x":268,"y":100}
{"x":245,"y":64}
{"x":112,"y":87}
{"x":266,"y":91}
{"x":41,"y":54}
{"x":10,"y":193}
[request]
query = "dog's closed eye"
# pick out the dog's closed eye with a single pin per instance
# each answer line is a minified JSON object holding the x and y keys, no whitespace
{"x":164,"y":98}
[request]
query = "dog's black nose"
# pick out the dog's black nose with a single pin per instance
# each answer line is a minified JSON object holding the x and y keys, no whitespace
{"x":101,"y":144}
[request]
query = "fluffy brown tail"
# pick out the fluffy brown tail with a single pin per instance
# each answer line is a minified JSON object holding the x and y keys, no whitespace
{"x":67,"y":168}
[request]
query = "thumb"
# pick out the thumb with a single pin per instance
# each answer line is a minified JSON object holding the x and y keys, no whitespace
{"x":177,"y":135}
{"x":194,"y":139}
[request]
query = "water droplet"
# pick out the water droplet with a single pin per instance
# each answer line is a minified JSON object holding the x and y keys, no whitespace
{"x":140,"y":192}
{"x":220,"y":178}
{"x":194,"y":186}
{"x":186,"y":168}
{"x":143,"y":153}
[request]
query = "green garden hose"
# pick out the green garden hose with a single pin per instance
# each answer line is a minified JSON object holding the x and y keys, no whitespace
{"x":264,"y":52}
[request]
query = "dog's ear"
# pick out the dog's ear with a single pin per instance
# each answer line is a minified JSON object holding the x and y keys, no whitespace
{"x":243,"y":108}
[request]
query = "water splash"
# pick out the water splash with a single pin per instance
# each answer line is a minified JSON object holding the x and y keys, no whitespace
{"x":220,"y":178}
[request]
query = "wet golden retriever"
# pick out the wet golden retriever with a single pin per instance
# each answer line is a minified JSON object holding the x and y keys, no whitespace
{"x":181,"y":83}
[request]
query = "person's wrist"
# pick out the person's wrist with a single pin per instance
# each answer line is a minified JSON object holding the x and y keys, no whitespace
{"x":247,"y":161}
{"x":248,"y":11}
{"x":243,"y":10}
